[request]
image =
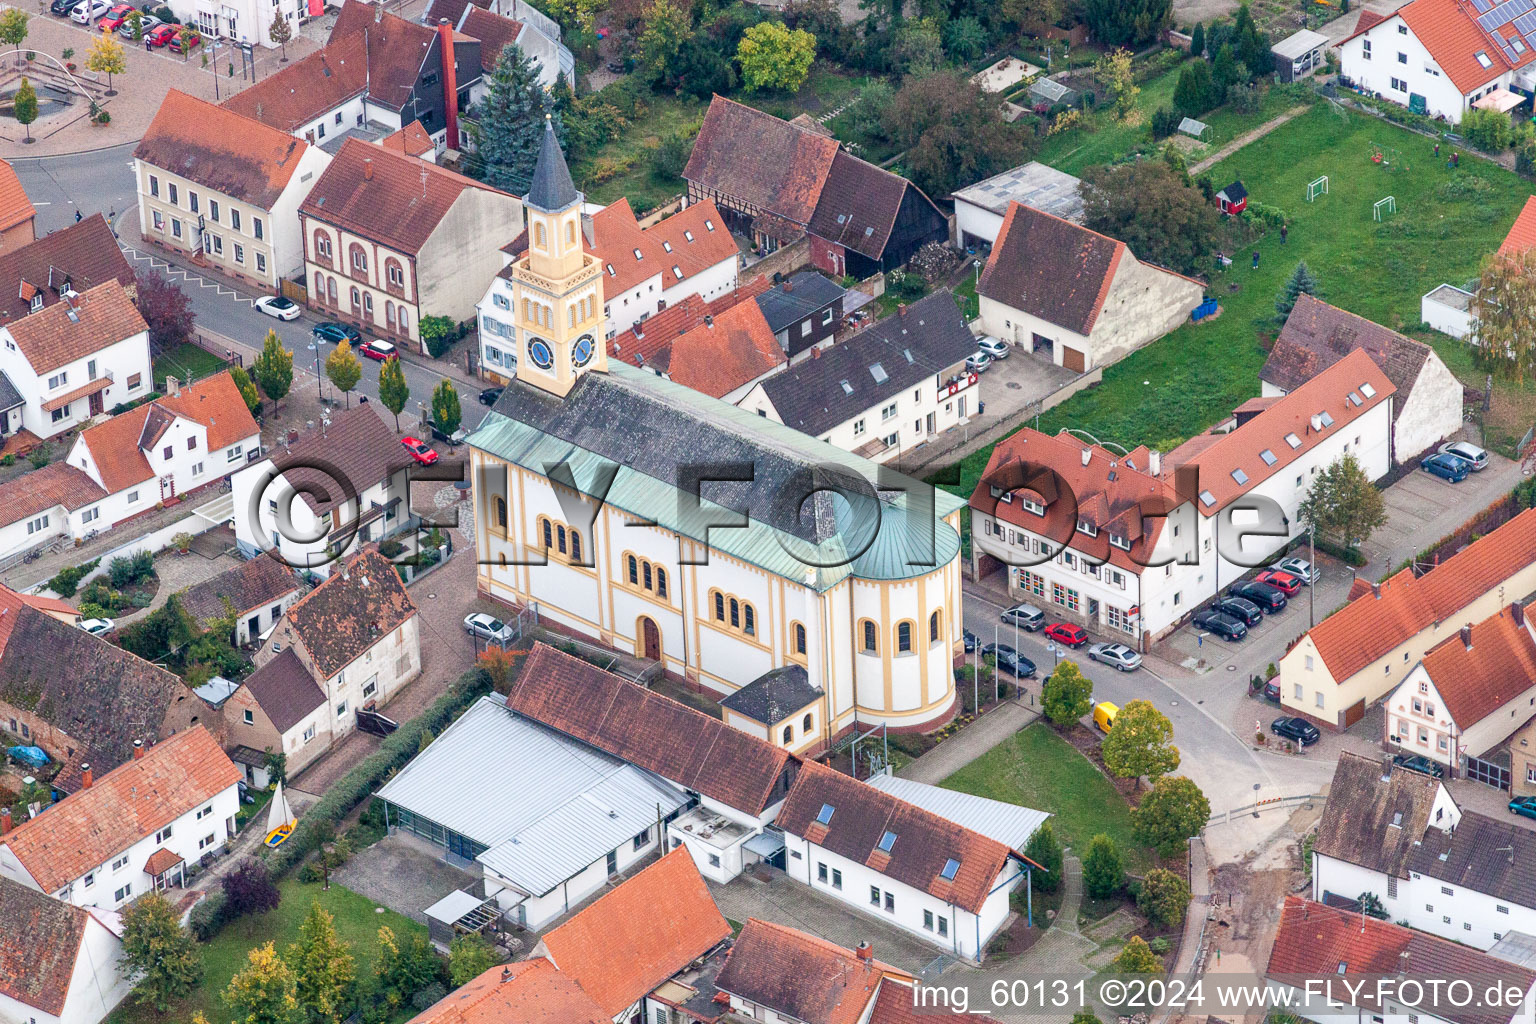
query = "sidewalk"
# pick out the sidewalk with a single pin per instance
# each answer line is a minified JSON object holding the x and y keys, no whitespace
{"x":969,"y":743}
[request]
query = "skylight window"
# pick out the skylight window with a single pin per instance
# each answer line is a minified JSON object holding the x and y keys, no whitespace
{"x":709,"y":225}
{"x":878,"y":372}
{"x":847,"y":388}
{"x":1207,"y":499}
{"x":688,"y":235}
{"x":824,"y":816}
{"x":908,"y":353}
{"x":1326,"y":417}
{"x":1353,"y":398}
{"x":951,"y":868}
{"x":665,"y":245}
{"x":1482,"y":58}
{"x":1293,"y":440}
{"x":1239,"y":476}
{"x":1268,"y":457}
{"x":611,"y":272}
{"x":1517,"y":43}
{"x":1367,"y":391}
{"x":887,"y":841}
{"x":639,"y":255}
{"x":677,"y":272}
{"x":1341,"y":966}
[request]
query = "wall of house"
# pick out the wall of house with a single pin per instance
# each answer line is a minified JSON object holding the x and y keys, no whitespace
{"x":1020,"y":328}
{"x":1432,"y":413}
{"x":170,"y":207}
{"x":975,"y":225}
{"x":1522,"y":757}
{"x":310,"y":737}
{"x":375,"y":677}
{"x":259,"y":494}
{"x":45,"y":526}
{"x":498,"y":331}
{"x":1396,"y":53}
{"x":464,"y":253}
{"x":363,"y":296}
{"x":350,"y":113}
{"x":1455,"y":320}
{"x":247,"y":725}
{"x":96,"y":985}
{"x":714,"y":863}
{"x":538,"y":911}
{"x":239,"y":19}
{"x":127,"y":361}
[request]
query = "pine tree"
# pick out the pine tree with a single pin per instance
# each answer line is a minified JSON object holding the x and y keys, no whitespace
{"x":246,"y":387}
{"x":322,"y":966}
{"x":1194,"y":93}
{"x":1103,"y":870}
{"x":393,"y":390}
{"x":512,"y":123}
{"x":1301,"y":281}
{"x":1045,"y":851}
{"x":1197,"y":40}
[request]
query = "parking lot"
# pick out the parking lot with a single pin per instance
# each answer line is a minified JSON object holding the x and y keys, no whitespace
{"x":1422,"y":508}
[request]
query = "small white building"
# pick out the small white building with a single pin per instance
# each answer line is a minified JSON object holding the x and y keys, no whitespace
{"x":1448,"y":309}
{"x":980,"y":208}
{"x":58,"y":962}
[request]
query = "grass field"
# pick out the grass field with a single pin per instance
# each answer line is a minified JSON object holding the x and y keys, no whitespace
{"x":1187,"y":381}
{"x":186,"y":362}
{"x":1037,"y":768}
{"x":357,"y":922}
{"x":1103,"y":138}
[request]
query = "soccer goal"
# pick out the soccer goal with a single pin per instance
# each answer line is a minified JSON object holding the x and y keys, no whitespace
{"x":1317,"y":188}
{"x":1387,"y":205}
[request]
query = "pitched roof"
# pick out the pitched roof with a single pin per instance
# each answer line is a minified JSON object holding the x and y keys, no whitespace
{"x":220,"y":149}
{"x":1051,"y":268}
{"x":88,"y":828}
{"x":1375,"y":815}
{"x":1522,"y":234}
{"x":330,"y":465}
{"x":285,"y":690}
{"x":361,"y":601}
{"x":678,"y":247}
{"x":63,"y":332}
{"x":774,"y":695}
{"x":712,"y":347}
{"x":1368,"y":19}
{"x":1488,"y":855}
{"x":38,"y":946}
{"x":793,"y":300}
{"x":1317,"y":335}
{"x":15,"y":207}
{"x":760,"y":160}
{"x":396,"y":47}
{"x":859,"y":204}
{"x":1453,"y":39}
{"x":57,"y":483}
{"x":647,"y":729}
{"x":897,"y":1004}
{"x":640,"y":934}
{"x":531,"y":992}
{"x":551,"y":188}
{"x":1319,"y":942}
{"x":1234,"y":463}
{"x":248,"y":586}
{"x":801,"y":976}
{"x":924,"y":841}
{"x":895,"y":355}
{"x":80,"y":256}
{"x":494,"y":32}
{"x":399,"y":206}
{"x":1370,"y":626}
{"x":306,"y":88}
{"x":412,"y":140}
{"x":1478,"y":677}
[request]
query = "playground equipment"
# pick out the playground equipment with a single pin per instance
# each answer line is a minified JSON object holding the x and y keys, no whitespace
{"x":1389,"y":204}
{"x":1387,"y":157}
{"x":1317,"y":188}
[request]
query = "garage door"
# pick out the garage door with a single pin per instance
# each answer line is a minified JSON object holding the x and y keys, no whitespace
{"x":1072,"y":359}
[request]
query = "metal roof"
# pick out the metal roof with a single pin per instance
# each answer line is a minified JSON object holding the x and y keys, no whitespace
{"x":1051,"y":91}
{"x":1009,"y":824}
{"x":1298,"y":43}
{"x":1034,"y":184}
{"x":559,"y":806}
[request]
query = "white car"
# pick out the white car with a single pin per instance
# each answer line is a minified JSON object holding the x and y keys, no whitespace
{"x":279,"y":306}
{"x":98,"y":627}
{"x":994,"y":348}
{"x":89,"y":11}
{"x":1300,"y":568}
{"x":488,"y":628}
{"x":1118,"y":655}
{"x":1467,"y":452}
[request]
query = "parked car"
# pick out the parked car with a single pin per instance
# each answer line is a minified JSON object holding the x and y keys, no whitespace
{"x":1272,"y":692}
{"x":186,"y":40}
{"x":1299,"y":729}
{"x":969,"y":639}
{"x":978,"y":362}
{"x":1118,"y":655}
{"x":1446,"y":467}
{"x":489,"y":395}
{"x":488,"y":627}
{"x":420,"y":450}
{"x":280,"y":306}
{"x":1104,"y":715}
{"x":1221,"y":624}
{"x":1262,"y":594}
{"x":1016,"y":665}
{"x":62,"y":7}
{"x":1421,"y":764}
{"x":1282,"y":581}
{"x":1468,"y":452}
{"x":333,"y":332}
{"x":1066,"y":633}
{"x":452,"y":440}
{"x":1241,"y":609}
{"x":160,"y":35}
{"x":98,"y":627}
{"x":994,"y":348}
{"x":1524,"y":806}
{"x":1300,"y":568}
{"x":115,"y":18}
{"x":88,"y":10}
{"x":382,"y":351}
{"x":147,"y":24}
{"x":1026,"y":616}
{"x":996,"y":649}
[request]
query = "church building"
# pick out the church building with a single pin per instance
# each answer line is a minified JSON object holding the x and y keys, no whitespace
{"x":652,"y":518}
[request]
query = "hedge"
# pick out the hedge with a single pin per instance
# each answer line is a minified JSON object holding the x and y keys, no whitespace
{"x":317,"y":824}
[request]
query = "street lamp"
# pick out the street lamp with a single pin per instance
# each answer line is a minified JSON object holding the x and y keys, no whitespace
{"x":319,"y":379}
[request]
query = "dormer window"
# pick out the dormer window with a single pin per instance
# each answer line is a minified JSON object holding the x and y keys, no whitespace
{"x":1087,"y":528}
{"x":1122,"y":543}
{"x":37,"y":302}
{"x":1034,"y":506}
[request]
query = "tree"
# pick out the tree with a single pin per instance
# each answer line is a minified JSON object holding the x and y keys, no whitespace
{"x":1197,"y":40}
{"x":344,"y":371}
{"x":1114,"y":70}
{"x":322,"y":966}
{"x":1224,"y":73}
{"x":1067,"y":695}
{"x":1504,"y":329}
{"x":158,"y":953}
{"x":274,"y":368}
{"x":1252,"y":45}
{"x":437,"y":333}
{"x":965,"y":39}
{"x":249,"y":890}
{"x":511,"y":124}
{"x":13,"y":27}
{"x":1343,"y":503}
{"x":575,"y":14}
{"x":445,"y":407}
{"x":264,"y":991}
{"x":1195,"y":92}
{"x":404,"y":968}
{"x":1164,"y":898}
{"x":106,"y":57}
{"x":1126,"y":22}
{"x":668,"y":26}
{"x":469,"y":956}
{"x":1153,"y":209}
{"x":774,"y":57}
{"x":917,"y":48}
{"x":24,"y":106}
{"x":1045,"y":851}
{"x":394,"y":392}
{"x":246,"y":387}
{"x":1137,"y":958}
{"x":700,"y":70}
{"x":1141,"y":743}
{"x":1032,"y":16}
{"x":951,"y":132}
{"x":280,"y":32}
{"x":1370,"y":905}
{"x":165,"y":307}
{"x":1301,"y":282}
{"x":1168,"y":816}
{"x":1103,"y":872}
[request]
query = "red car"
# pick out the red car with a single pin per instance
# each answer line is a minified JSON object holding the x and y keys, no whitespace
{"x":419,"y":451}
{"x":160,"y":35}
{"x":186,"y":40}
{"x":1281,"y":581}
{"x":1062,"y":633}
{"x":114,"y":18}
{"x":383,"y":351}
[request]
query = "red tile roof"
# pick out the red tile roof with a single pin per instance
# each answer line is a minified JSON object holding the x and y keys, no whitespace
{"x":80,"y":256}
{"x":134,"y":800}
{"x":687,"y":243}
{"x":63,"y":332}
{"x":1447,"y":30}
{"x":396,"y":47}
{"x":307,"y":88}
{"x":56,"y":484}
{"x":760,"y":161}
{"x":361,"y":602}
{"x":860,"y":202}
{"x":494,"y":32}
{"x":1500,"y":665}
{"x":1368,"y":19}
{"x":38,"y":946}
{"x":15,"y":207}
{"x":220,"y":149}
{"x":412,"y":140}
{"x":1522,"y":234}
{"x":896,"y":1004}
{"x":1051,"y":268}
{"x":634,"y":938}
{"x":531,"y":992}
{"x":713,"y":347}
{"x":1316,"y":335}
{"x":161,"y":861}
{"x":11,"y":603}
{"x":801,"y":976}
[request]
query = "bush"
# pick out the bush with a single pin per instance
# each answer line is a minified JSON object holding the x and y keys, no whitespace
{"x":94,"y":611}
{"x":68,"y":580}
{"x":39,"y":457}
{"x":1164,"y":898}
{"x":8,"y":460}
{"x":1103,"y":872}
{"x":671,"y":155}
{"x":1488,"y":130}
{"x":437,"y":333}
{"x":126,"y":571}
{"x":207,"y":917}
{"x":1165,"y":121}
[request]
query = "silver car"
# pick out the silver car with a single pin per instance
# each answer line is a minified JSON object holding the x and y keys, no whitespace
{"x":488,"y":628}
{"x":147,"y":22}
{"x":994,"y":348}
{"x":1118,"y":655}
{"x":1467,"y":452}
{"x":1300,"y":568}
{"x":978,"y":363}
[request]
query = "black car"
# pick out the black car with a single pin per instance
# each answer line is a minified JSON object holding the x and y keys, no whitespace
{"x":998,"y":649}
{"x":1221,"y":624}
{"x":1298,"y":729}
{"x":1421,"y":764}
{"x":452,"y":438}
{"x":970,"y":640}
{"x":333,"y":332}
{"x":1015,"y":665}
{"x":1241,"y":609}
{"x":489,"y":395}
{"x":62,"y":6}
{"x":1268,"y":598}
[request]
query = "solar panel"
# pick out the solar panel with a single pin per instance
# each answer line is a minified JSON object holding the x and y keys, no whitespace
{"x":1483,"y":6}
{"x":1505,"y":13}
{"x":1510,"y":55}
{"x":1526,"y":23}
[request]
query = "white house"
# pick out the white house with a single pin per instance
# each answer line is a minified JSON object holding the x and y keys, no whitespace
{"x":58,"y":962}
{"x":132,"y":830}
{"x":1440,"y":58}
{"x":234,"y":22}
{"x":499,"y":24}
{"x":980,"y":208}
{"x":1074,"y":296}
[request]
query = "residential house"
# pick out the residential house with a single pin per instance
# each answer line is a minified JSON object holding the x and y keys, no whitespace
{"x":1522,"y":233}
{"x":71,"y":360}
{"x":84,"y":700}
{"x":412,"y":140}
{"x":1130,"y":542}
{"x":224,"y":188}
{"x":981,"y":208}
{"x":1363,"y":651}
{"x":547,"y":840}
{"x":58,"y":962}
{"x":803,"y":311}
{"x":256,"y":592}
{"x":721,"y":348}
{"x":620,"y":950}
{"x":76,"y":258}
{"x":389,"y":239}
{"x":325,"y":495}
{"x":530,"y":992}
{"x":357,"y":635}
{"x":1427,"y":408}
{"x":278,"y":709}
{"x":782,"y":707}
{"x":1342,"y":967}
{"x":1438,"y":57}
{"x":869,"y":220}
{"x":535,"y":35}
{"x":132,"y":830}
{"x":885,"y":391}
{"x":241,"y":21}
{"x":774,"y":972}
{"x":18,"y":217}
{"x":1074,"y":296}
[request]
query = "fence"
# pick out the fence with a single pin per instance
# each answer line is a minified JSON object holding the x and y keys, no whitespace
{"x":1260,"y":806}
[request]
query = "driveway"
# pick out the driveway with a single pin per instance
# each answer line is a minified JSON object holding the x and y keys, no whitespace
{"x":404,"y":873}
{"x":1422,"y":508}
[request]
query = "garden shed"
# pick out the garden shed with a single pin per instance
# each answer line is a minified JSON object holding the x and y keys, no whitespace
{"x":1049,"y":91}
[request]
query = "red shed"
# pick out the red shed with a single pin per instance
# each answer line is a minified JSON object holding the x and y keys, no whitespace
{"x":1233,"y":199}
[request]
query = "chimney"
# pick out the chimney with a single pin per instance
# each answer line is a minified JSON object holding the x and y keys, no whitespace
{"x":901,"y":309}
{"x":789,"y":286}
{"x":506,"y":974}
{"x":1386,"y":768}
{"x":172,"y":386}
{"x":1155,"y":462}
{"x":709,"y":321}
{"x":368,"y":168}
{"x":138,"y":749}
{"x":1517,"y":612}
{"x":85,"y":777}
{"x":864,"y":952}
{"x":5,"y":820}
{"x":816,"y":352}
{"x":1402,"y":964}
{"x":1087,"y":456}
{"x":1466,"y":636}
{"x":1376,"y":591}
{"x":450,"y":83}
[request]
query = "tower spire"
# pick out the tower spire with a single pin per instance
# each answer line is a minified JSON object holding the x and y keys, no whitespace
{"x":552,"y":189}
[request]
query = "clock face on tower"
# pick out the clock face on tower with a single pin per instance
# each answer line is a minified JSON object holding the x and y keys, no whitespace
{"x":581,"y":352}
{"x":539,"y":351}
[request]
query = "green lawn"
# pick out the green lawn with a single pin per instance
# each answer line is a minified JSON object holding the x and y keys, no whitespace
{"x":1514,"y":403}
{"x":186,"y":362}
{"x":624,"y":164}
{"x":1103,"y":138}
{"x":357,"y":922}
{"x":1189,"y":380}
{"x":1037,"y":768}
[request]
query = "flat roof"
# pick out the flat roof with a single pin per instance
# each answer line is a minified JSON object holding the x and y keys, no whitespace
{"x":1450,"y":295}
{"x":1034,"y":184}
{"x":1009,"y":824}
{"x":1298,"y":43}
